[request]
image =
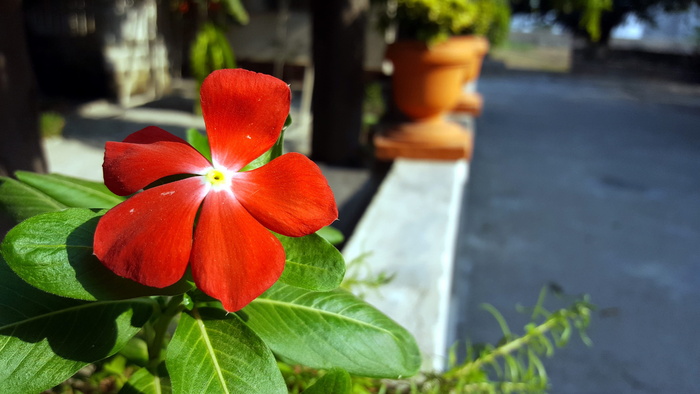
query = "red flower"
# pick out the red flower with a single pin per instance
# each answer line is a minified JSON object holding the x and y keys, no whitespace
{"x":149,"y":238}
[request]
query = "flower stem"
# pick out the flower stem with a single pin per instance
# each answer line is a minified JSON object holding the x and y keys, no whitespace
{"x":159,"y":328}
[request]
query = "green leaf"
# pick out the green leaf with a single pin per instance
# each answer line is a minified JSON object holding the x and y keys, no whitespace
{"x":45,"y":339}
{"x":335,"y":381}
{"x":22,"y":201}
{"x":136,"y":351}
{"x":312,"y":263}
{"x":144,"y":382}
{"x":236,"y":10}
{"x":278,"y":148}
{"x":71,"y":192}
{"x":332,"y":329}
{"x":53,"y":252}
{"x":225,"y":354}
{"x":210,"y":51}
{"x":200,"y":142}
{"x":331,"y":234}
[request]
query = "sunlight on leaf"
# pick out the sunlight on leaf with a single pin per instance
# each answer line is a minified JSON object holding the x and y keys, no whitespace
{"x":226,"y":354}
{"x":22,"y":201}
{"x":72,"y":192}
{"x":332,"y":329}
{"x":311,"y":263}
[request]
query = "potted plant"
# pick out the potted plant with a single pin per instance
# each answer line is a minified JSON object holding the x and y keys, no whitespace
{"x":439,"y":47}
{"x":490,"y":28}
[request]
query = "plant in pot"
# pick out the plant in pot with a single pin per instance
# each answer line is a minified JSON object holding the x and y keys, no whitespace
{"x":490,"y":28}
{"x":438,"y":49}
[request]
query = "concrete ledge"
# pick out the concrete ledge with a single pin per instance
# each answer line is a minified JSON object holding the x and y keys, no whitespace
{"x":409,"y":231}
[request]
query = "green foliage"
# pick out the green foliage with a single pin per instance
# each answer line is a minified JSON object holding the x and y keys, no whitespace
{"x":311,"y":263}
{"x":51,"y":124}
{"x":296,"y":324}
{"x":71,"y":192}
{"x":493,"y":21}
{"x":360,"y":279}
{"x":62,"y":310}
{"x":211,"y":51}
{"x":513,"y":365}
{"x":53,"y":252}
{"x":32,"y":194}
{"x":434,"y":21}
{"x":373,"y":106}
{"x":199,"y":141}
{"x":595,"y":19}
{"x":145,"y":382}
{"x":21,"y":201}
{"x":46,"y":338}
{"x":589,"y":11}
{"x":235,"y":9}
{"x":227,"y":355}
{"x":332,"y":235}
{"x":336,"y":381}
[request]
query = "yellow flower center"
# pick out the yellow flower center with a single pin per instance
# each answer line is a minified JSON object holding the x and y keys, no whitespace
{"x":216,"y":177}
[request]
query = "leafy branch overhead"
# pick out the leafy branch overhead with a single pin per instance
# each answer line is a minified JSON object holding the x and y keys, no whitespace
{"x":595,"y":19}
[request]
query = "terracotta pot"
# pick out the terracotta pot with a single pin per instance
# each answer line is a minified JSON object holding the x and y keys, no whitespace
{"x":470,"y":101}
{"x":427,"y":83}
{"x":479,"y":46}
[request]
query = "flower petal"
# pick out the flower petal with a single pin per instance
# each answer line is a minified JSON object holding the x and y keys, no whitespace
{"x":234,"y":259}
{"x":146,"y":156}
{"x":148,"y":237}
{"x":244,"y":113}
{"x":289,"y":195}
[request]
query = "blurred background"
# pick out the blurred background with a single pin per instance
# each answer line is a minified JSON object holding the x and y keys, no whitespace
{"x":585,"y":176}
{"x":133,"y":52}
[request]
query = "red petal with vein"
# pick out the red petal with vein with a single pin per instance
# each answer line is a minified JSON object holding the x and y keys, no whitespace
{"x":289,"y":195}
{"x":244,"y":113}
{"x":234,"y":259}
{"x":148,"y":237}
{"x":146,"y":156}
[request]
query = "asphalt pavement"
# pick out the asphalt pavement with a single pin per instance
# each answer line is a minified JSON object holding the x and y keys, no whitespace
{"x":592,"y":185}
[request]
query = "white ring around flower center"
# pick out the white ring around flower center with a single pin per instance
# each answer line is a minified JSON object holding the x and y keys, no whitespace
{"x":218,"y":178}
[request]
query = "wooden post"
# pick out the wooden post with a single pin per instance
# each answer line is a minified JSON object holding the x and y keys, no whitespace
{"x":338,"y":55}
{"x":20,"y":141}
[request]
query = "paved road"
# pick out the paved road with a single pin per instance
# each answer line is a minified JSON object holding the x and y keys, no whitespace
{"x":593,"y":185}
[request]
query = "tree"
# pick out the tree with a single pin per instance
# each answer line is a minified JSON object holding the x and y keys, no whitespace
{"x":595,"y":19}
